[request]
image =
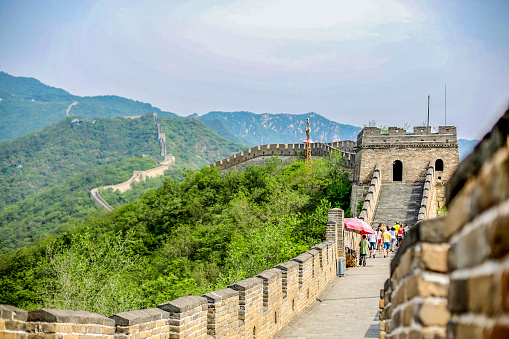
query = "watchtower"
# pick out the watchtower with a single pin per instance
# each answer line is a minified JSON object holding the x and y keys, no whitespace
{"x":404,"y":157}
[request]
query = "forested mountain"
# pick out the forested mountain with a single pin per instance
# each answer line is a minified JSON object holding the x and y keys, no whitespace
{"x":62,"y":152}
{"x":268,"y":128}
{"x":27,"y":105}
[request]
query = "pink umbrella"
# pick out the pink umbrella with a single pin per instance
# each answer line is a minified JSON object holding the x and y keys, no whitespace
{"x":358,"y":226}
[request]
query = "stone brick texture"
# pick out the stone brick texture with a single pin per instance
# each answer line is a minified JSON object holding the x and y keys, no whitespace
{"x":257,"y":307}
{"x":450,"y":277}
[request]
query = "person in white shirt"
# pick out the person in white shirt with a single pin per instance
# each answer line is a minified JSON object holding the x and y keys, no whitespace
{"x":372,"y":244}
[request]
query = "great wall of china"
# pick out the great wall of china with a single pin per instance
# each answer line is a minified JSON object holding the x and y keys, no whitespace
{"x":138,"y":175}
{"x":449,"y":278}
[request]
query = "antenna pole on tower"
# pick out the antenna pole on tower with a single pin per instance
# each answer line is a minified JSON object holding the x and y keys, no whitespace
{"x":428,"y":112}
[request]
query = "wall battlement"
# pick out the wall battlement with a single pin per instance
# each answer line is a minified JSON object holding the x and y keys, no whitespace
{"x":291,"y":150}
{"x":373,"y":137}
{"x":255,"y":307}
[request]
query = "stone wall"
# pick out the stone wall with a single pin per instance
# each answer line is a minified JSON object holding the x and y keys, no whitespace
{"x":429,"y":201}
{"x":257,"y":307}
{"x":450,"y":278}
{"x":371,"y":199}
{"x":290,"y":150}
{"x":415,"y":151}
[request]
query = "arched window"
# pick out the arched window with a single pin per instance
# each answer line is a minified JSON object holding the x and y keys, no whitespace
{"x":439,"y":165}
{"x":397,"y":171}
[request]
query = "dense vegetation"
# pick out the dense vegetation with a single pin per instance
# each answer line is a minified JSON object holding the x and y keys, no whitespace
{"x":61,"y":162}
{"x":42,"y":214}
{"x":186,"y":237}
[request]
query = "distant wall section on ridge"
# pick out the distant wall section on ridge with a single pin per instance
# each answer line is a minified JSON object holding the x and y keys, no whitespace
{"x":287,"y":152}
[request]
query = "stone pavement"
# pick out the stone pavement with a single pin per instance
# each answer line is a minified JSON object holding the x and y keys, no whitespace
{"x":348,"y":309}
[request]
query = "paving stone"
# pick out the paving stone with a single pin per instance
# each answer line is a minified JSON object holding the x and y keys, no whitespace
{"x":349,"y":310}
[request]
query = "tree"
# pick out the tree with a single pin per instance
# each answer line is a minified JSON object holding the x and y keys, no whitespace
{"x":89,"y":275}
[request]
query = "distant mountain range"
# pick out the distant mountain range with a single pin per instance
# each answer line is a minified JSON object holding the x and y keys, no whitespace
{"x":268,"y":128}
{"x":27,"y":105}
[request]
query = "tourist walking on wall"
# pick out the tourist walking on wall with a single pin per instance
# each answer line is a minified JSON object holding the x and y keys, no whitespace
{"x":393,"y":238}
{"x":379,"y":239}
{"x":387,"y":241}
{"x":372,"y":244}
{"x":363,"y":250}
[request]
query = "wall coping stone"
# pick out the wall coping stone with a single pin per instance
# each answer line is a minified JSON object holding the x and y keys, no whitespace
{"x":139,"y":316}
{"x":183,"y":304}
{"x":288,"y":265}
{"x":485,"y":149}
{"x":302,"y":258}
{"x":69,"y":316}
{"x":429,"y":230}
{"x":12,"y":313}
{"x":313,"y":252}
{"x":217,"y":296}
{"x":246,"y":284}
{"x":319,"y":247}
{"x":270,"y":275}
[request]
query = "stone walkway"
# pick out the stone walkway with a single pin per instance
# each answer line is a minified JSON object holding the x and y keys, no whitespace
{"x":349,"y":309}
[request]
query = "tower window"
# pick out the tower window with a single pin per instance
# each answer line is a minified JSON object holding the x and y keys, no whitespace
{"x":397,"y":171}
{"x":439,"y":165}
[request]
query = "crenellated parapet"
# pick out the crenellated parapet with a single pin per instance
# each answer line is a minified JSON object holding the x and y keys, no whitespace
{"x":403,"y":156}
{"x":291,"y":150}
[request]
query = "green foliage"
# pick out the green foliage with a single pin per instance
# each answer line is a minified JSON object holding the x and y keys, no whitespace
{"x":82,"y":273}
{"x":61,"y":164}
{"x":193,"y":236}
{"x":45,"y":213}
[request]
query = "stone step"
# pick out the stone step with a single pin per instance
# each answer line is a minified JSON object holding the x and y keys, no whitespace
{"x":398,"y":202}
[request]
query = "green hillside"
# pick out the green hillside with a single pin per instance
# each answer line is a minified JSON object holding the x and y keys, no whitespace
{"x":55,"y":157}
{"x":282,"y":128}
{"x":183,"y":238}
{"x":42,"y":214}
{"x":27,"y":105}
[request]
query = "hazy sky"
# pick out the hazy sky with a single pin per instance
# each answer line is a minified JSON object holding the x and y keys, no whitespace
{"x":350,"y":61}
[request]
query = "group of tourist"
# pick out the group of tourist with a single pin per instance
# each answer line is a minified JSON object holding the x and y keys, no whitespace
{"x":384,"y":239}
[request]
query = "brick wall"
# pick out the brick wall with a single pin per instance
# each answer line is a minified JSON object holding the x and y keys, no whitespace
{"x":290,"y":150}
{"x":415,"y":150}
{"x":450,"y":278}
{"x":257,"y":307}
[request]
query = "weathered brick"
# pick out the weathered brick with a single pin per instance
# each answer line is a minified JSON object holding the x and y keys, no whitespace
{"x":408,"y":314}
{"x":471,"y":249}
{"x":498,"y":331}
{"x":94,"y":329}
{"x":467,"y":331}
{"x":12,"y":335}
{"x":433,"y":313}
{"x":14,"y":325}
{"x":458,"y":296}
{"x":434,"y":256}
{"x":497,"y":236}
{"x":484,"y":294}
